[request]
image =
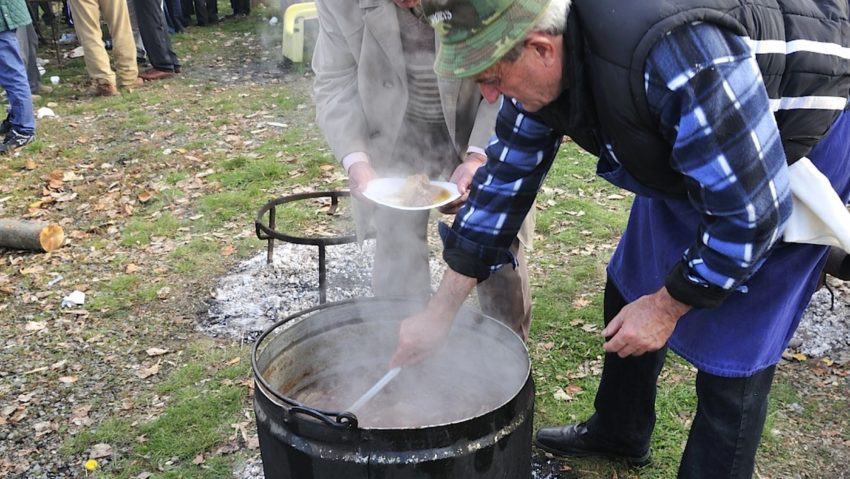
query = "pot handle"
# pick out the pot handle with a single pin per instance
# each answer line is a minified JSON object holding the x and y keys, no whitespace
{"x":344,"y":420}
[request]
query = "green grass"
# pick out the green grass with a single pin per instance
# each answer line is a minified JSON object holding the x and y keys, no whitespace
{"x":139,"y":232}
{"x":204,"y":399}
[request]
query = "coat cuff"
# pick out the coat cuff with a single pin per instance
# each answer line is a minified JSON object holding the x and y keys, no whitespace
{"x":684,"y":290}
{"x":472,"y":259}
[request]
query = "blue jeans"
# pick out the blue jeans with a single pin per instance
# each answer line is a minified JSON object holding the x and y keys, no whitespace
{"x":13,"y":77}
{"x":727,"y":425}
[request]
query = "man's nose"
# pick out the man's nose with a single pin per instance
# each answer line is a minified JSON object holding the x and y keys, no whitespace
{"x":489,"y":92}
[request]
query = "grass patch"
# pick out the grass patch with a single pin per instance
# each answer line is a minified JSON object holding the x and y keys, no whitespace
{"x":138,"y":233}
{"x":205,"y":396}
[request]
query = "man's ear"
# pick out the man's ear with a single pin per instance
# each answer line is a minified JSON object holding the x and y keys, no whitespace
{"x":543,"y":46}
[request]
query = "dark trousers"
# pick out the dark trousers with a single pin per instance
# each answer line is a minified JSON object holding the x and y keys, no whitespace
{"x":212,"y":11}
{"x":28,"y":45}
{"x":199,"y":8}
{"x":154,"y":34}
{"x":174,"y":15}
{"x":241,"y":7}
{"x":727,"y":426}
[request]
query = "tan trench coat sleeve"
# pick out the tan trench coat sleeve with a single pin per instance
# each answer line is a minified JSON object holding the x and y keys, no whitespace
{"x":339,"y":112}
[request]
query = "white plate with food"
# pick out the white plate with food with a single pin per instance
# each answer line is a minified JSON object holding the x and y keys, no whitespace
{"x":415,"y":192}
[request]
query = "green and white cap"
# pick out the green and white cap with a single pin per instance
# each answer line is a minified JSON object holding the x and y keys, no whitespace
{"x":475,"y":34}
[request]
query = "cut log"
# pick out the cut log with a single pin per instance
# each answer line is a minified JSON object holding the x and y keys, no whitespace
{"x":30,"y":235}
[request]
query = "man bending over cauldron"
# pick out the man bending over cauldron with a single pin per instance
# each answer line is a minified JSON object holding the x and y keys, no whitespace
{"x":698,"y":107}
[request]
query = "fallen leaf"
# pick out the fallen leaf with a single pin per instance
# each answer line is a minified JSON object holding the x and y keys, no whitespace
{"x":199,"y":459}
{"x":100,"y":450}
{"x":131,"y":268}
{"x":228,"y":250}
{"x":228,"y":448}
{"x":145,"y":373}
{"x":145,"y":196}
{"x":156,"y":351}
{"x":581,"y":303}
{"x":29,"y":165}
{"x":573,"y":390}
{"x":589,"y":328}
{"x":55,"y":180}
{"x":561,"y":395}
{"x":35,"y":325}
{"x":69,"y":379}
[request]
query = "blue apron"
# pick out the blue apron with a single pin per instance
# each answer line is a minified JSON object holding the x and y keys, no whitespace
{"x":752,"y":327}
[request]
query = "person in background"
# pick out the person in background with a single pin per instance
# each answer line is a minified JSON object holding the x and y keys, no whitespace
{"x":28,"y":46}
{"x":174,"y":16}
{"x":154,"y":32}
{"x":87,"y":15}
{"x":697,"y":108}
{"x":241,"y":8}
{"x":141,"y":54}
{"x":18,"y":129}
{"x":384,"y":113}
{"x":201,"y":9}
{"x":212,"y":12}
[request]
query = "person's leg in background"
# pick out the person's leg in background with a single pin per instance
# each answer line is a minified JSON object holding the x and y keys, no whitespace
{"x":152,"y":26}
{"x":141,"y":54}
{"x":202,"y":18}
{"x":212,"y":11}
{"x":174,"y":16}
{"x":87,"y":25}
{"x":401,"y":254}
{"x":28,"y":44}
{"x":123,"y":46}
{"x":19,"y":128}
{"x":506,"y":294}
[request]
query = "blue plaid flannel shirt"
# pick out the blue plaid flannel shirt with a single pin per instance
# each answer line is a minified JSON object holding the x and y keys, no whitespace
{"x":705,"y":88}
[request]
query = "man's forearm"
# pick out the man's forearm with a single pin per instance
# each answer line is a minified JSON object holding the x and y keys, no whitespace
{"x":453,"y":290}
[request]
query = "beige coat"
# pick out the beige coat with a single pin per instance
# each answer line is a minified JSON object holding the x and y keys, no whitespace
{"x":361,"y":88}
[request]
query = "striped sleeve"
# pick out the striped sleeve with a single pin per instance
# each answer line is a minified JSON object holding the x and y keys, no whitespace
{"x":705,"y":88}
{"x":503,"y":190}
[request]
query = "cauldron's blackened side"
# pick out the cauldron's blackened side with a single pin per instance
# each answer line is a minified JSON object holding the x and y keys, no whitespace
{"x":493,"y":445}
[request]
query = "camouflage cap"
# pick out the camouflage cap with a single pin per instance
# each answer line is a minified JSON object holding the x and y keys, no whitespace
{"x":475,"y":34}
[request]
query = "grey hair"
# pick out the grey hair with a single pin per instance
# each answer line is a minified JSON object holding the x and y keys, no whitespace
{"x":553,"y":21}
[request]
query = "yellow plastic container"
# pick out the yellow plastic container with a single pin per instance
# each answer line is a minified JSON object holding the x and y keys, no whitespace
{"x":293,"y":29}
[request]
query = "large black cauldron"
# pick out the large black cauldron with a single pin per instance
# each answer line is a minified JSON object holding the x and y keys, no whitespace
{"x":464,"y":413}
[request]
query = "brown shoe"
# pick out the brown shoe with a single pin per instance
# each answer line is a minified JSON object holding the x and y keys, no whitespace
{"x":129,"y":87}
{"x":104,"y":89}
{"x":152,"y":74}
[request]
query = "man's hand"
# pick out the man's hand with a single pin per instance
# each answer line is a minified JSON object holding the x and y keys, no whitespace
{"x":422,"y":334}
{"x":462,"y":177}
{"x":359,"y":175}
{"x":644,"y":325}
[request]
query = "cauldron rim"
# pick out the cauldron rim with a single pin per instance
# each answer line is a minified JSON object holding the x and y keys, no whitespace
{"x":346,"y":420}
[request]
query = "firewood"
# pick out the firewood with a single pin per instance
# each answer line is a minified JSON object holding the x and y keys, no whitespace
{"x":30,"y":235}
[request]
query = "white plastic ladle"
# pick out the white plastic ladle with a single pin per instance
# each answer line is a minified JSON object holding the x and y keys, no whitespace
{"x":391,"y":374}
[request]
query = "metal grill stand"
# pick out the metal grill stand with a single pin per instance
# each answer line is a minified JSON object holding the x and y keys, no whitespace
{"x":268,"y":233}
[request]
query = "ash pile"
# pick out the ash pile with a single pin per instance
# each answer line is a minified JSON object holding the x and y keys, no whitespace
{"x":255,"y":295}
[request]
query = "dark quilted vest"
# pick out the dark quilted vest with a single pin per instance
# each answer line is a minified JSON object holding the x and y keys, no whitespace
{"x":607,"y":43}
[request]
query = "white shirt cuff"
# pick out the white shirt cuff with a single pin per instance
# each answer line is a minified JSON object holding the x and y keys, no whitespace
{"x":352,"y":158}
{"x":475,"y":149}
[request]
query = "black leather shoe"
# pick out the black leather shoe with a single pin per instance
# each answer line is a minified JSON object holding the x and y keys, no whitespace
{"x":573,"y":440}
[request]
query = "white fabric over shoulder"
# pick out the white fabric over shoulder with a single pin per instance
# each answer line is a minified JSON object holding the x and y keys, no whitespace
{"x":818,"y":216}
